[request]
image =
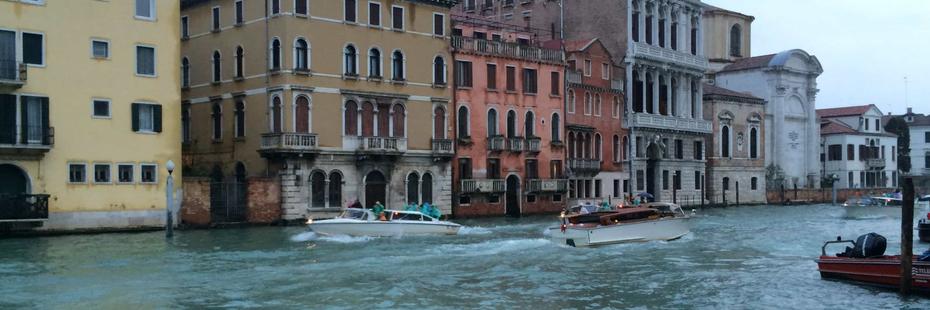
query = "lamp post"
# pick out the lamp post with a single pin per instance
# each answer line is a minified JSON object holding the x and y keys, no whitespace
{"x":169,"y":219}
{"x":833,"y":179}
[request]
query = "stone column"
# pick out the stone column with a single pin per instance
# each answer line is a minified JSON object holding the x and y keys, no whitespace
{"x":655,"y":91}
{"x":326,"y":192}
{"x":642,"y":21}
{"x":699,"y":106}
{"x":700,"y":36}
{"x":642,"y":77}
{"x":668,"y":26}
{"x":628,"y":90}
{"x":655,"y":23}
{"x":668,"y":93}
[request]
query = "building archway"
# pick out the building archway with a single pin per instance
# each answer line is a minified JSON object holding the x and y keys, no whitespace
{"x":13,"y":180}
{"x":512,"y":202}
{"x":375,"y":188}
{"x":653,"y":155}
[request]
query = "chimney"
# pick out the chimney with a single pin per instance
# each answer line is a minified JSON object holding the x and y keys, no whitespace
{"x":910,"y":110}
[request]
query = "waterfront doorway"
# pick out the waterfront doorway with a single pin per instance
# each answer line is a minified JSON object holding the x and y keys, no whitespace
{"x":375,"y":191}
{"x":653,"y":154}
{"x":512,"y":202}
{"x":13,"y":181}
{"x":227,"y":199}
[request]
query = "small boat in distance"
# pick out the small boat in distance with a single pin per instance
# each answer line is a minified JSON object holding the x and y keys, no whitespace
{"x":924,"y":202}
{"x":863,"y":207}
{"x":652,"y":221}
{"x":363,"y":222}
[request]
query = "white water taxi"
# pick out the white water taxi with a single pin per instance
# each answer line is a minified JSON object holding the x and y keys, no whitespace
{"x":653,"y":221}
{"x":363,"y":222}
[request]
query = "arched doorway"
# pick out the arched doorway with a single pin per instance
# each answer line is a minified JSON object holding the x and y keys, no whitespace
{"x":375,"y":188}
{"x":13,"y":181}
{"x":513,"y":196}
{"x":653,"y":154}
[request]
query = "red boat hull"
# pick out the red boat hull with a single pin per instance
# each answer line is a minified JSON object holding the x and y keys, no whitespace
{"x":884,"y":271}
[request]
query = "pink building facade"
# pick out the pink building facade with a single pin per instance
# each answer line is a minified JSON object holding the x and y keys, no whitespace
{"x":509,"y":120}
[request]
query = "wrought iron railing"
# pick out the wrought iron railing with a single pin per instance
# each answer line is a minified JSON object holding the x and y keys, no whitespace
{"x":23,"y":207}
{"x":483,"y":186}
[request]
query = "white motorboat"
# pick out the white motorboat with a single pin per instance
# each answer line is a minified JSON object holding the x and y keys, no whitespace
{"x":653,"y":221}
{"x":866,"y":207}
{"x":363,"y":222}
{"x":924,"y":202}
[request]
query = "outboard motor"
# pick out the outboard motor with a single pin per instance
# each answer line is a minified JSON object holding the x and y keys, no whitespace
{"x":868,"y":245}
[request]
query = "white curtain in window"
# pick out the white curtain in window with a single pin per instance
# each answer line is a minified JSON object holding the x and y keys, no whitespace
{"x":34,"y":121}
{"x":145,"y":62}
{"x":144,"y":8}
{"x":145,"y":118}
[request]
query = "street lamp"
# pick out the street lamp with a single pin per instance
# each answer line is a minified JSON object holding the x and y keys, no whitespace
{"x":833,"y":179}
{"x":169,"y":219}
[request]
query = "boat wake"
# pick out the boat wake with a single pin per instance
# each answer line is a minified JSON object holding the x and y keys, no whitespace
{"x":493,"y":247}
{"x":474,"y":230}
{"x":312,"y":236}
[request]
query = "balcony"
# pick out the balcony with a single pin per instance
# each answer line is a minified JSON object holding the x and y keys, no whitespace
{"x":495,"y":143}
{"x":34,"y":142}
{"x":552,"y":186}
{"x":670,"y":122}
{"x":443,"y":147}
{"x":515,"y":144}
{"x":661,"y":54}
{"x":533,"y":144}
{"x":23,"y":207}
{"x":382,"y":144}
{"x":293,"y":143}
{"x":584,"y":166}
{"x":506,"y":49}
{"x":573,"y":76}
{"x":875,"y":163}
{"x":616,"y":85}
{"x":483,"y":186}
{"x":12,"y":74}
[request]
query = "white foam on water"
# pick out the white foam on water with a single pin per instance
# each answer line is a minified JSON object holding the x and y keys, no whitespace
{"x":345,"y":238}
{"x":491,"y":247}
{"x":304,"y":236}
{"x":473,"y":230}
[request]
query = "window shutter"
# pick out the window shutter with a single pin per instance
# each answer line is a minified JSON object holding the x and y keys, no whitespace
{"x":135,"y":117}
{"x":46,"y":130}
{"x":24,"y":123}
{"x":7,"y":119}
{"x":156,"y":117}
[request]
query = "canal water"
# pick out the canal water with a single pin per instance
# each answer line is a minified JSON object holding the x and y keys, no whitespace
{"x":736,"y":258}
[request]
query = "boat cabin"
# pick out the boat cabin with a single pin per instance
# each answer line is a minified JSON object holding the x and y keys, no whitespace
{"x":614,"y":217}
{"x":389,"y":215}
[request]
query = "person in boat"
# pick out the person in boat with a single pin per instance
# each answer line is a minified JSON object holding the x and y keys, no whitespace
{"x":636,"y":201}
{"x":605,"y":206}
{"x":378,"y":210}
{"x":355,"y":204}
{"x":435,"y":213}
{"x":411,"y":207}
{"x":427,"y":209}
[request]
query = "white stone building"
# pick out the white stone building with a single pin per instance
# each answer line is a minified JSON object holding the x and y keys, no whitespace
{"x":788,"y":82}
{"x":856,"y":149}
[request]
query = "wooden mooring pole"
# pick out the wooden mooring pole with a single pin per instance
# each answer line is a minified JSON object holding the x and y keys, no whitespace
{"x":907,"y":235}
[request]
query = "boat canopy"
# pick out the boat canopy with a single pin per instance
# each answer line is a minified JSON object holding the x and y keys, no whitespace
{"x":612,"y":217}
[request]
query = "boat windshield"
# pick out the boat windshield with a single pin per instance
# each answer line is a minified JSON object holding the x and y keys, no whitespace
{"x":582,"y":209}
{"x":402,"y":216}
{"x":357,"y":214}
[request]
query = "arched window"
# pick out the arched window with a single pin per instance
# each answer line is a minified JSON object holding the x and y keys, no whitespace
{"x":374,"y":63}
{"x":276,"y":114}
{"x":587,"y":103}
{"x":427,"y":192}
{"x":317,"y":189}
{"x":511,"y":124}
{"x":400,"y":117}
{"x":571,"y":101}
{"x":726,"y":183}
{"x":616,"y":111}
{"x":529,"y":128}
{"x":302,"y":114}
{"x":753,"y":143}
{"x":754,"y":183}
{"x":217,"y":118}
{"x":240,"y":119}
{"x":462,"y":123}
{"x":240,"y":172}
{"x":556,"y":127}
{"x":616,"y":149}
{"x":439,"y":71}
{"x":597,"y":105}
{"x":275,"y":54}
{"x":439,"y":123}
{"x":185,"y":72}
{"x":216,"y":67}
{"x":598,"y":151}
{"x":240,"y":62}
{"x":351,"y":118}
{"x":586,"y":146}
{"x":735,"y":41}
{"x":301,"y":55}
{"x":368,"y":119}
{"x":571,"y":145}
{"x":413,"y":188}
{"x":351,"y":57}
{"x":397,"y":66}
{"x":725,"y":141}
{"x":335,"y":189}
{"x":650,"y":93}
{"x":626,"y":148}
{"x":492,"y":123}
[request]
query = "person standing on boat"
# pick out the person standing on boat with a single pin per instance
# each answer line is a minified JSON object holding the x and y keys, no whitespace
{"x":605,"y":206}
{"x":426,"y":209}
{"x":378,"y":210}
{"x":411,"y":207}
{"x":434,"y":212}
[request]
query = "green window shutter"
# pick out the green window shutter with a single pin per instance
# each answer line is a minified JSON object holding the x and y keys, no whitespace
{"x":24,"y":123}
{"x":7,"y":119}
{"x":135,"y":117}
{"x":156,"y":117}
{"x":46,"y":131}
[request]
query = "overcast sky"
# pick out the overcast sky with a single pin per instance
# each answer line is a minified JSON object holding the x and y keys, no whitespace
{"x":866,"y":47}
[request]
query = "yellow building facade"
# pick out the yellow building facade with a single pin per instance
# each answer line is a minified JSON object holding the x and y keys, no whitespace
{"x":89,"y":112}
{"x":339,"y":100}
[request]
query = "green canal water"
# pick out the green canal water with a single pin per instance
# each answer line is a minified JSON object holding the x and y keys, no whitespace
{"x":736,"y":258}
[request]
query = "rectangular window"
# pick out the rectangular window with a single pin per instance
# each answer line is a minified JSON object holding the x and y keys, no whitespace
{"x":374,"y":14}
{"x":529,"y":81}
{"x":492,"y":76}
{"x":33,"y":119}
{"x":698,"y":150}
{"x":145,"y":60}
{"x":616,"y":188}
{"x":100,"y":49}
{"x":531,"y":198}
{"x":754,"y":183}
{"x":556,"y":83}
{"x":532,"y":169}
{"x":101,"y":108}
{"x":697,"y":180}
{"x":605,"y":71}
{"x":125,"y":173}
{"x":76,"y":173}
{"x":149,"y":173}
{"x":34,"y":48}
{"x":465,"y":168}
{"x":146,"y":117}
{"x":640,"y":180}
{"x":850,"y":152}
{"x":349,"y":10}
{"x":679,"y":149}
{"x":494,"y":168}
{"x":666,"y":154}
{"x":927,"y":161}
{"x":494,"y":199}
{"x":240,"y":17}
{"x":835,"y":152}
{"x":397,"y":17}
{"x":216,"y":19}
{"x":511,"y":78}
{"x":555,"y":169}
{"x":185,"y":27}
{"x":101,"y":173}
{"x":145,"y":9}
{"x":676,"y":180}
{"x":439,"y":24}
{"x":300,"y":7}
{"x":275,"y":7}
{"x":587,"y":67}
{"x":665,"y":179}
{"x":556,"y":197}
{"x":927,"y":137}
{"x":597,"y":188}
{"x":463,"y":74}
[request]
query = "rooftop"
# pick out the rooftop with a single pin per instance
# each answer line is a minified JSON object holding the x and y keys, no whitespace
{"x":711,"y":90}
{"x":845,"y":111}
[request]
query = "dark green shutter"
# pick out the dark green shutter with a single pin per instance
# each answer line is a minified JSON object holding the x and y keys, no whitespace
{"x":135,"y":117}
{"x":156,"y":117}
{"x":46,"y":133}
{"x":7,"y":119}
{"x":24,"y":120}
